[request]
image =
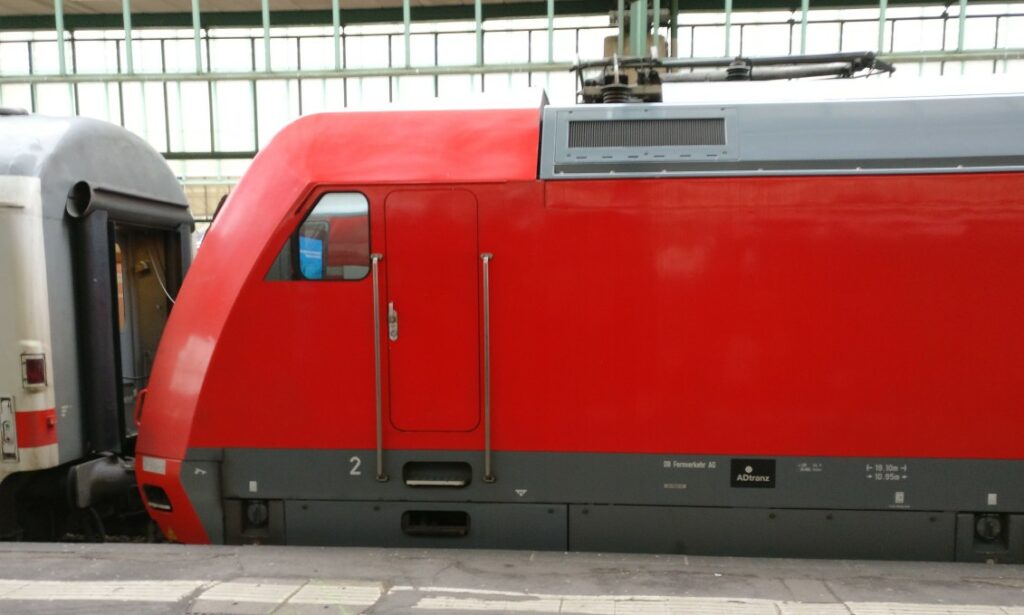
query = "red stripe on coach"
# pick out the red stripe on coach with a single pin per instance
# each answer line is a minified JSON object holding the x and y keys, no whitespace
{"x":36,"y":428}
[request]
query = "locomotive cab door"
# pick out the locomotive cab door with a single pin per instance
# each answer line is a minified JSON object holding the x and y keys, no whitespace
{"x":432,"y":309}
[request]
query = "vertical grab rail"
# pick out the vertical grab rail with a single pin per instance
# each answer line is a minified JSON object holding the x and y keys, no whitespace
{"x":375,"y":265}
{"x":488,"y":473}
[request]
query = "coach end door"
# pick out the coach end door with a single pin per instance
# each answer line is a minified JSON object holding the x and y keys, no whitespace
{"x":431,"y":307}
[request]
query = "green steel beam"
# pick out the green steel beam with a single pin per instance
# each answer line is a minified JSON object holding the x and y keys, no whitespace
{"x":212,"y":155}
{"x":126,"y":23}
{"x":963,"y":26}
{"x":478,"y":18}
{"x":960,"y":33}
{"x":656,"y":26}
{"x":394,"y":15}
{"x":942,"y":56}
{"x":641,"y":29}
{"x":336,"y":23}
{"x":728,"y":28}
{"x":144,"y":108}
{"x":253,"y":87}
{"x":210,"y":112}
{"x":621,"y":46}
{"x":407,"y":25}
{"x":551,"y":30}
{"x":181,"y":124}
{"x":882,"y":5}
{"x":634,"y":26}
{"x":673,"y":29}
{"x":213,"y":180}
{"x":352,"y":73}
{"x":805,"y":6}
{"x":196,"y":35}
{"x":58,"y":17}
{"x":265,"y":17}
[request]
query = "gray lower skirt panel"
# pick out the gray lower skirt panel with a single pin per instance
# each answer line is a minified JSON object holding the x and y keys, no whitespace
{"x":859,"y":534}
{"x":753,"y":532}
{"x":892,"y":508}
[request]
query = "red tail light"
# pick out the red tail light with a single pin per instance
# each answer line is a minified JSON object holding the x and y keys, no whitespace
{"x":33,"y":369}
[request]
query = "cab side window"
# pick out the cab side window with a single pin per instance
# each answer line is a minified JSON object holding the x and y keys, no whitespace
{"x":332,"y":243}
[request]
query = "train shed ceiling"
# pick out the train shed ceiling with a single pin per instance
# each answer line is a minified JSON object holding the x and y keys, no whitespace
{"x":39,"y":14}
{"x":101,"y":7}
{"x":83,"y":14}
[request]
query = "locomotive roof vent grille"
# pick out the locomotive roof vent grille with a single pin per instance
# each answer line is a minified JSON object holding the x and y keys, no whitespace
{"x":682,"y":132}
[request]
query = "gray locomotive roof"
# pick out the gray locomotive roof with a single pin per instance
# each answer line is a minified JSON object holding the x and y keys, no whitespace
{"x":744,"y":136}
{"x":64,"y":151}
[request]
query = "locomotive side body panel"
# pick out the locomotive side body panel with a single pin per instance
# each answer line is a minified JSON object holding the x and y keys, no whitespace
{"x":756,"y":314}
{"x":703,"y":353}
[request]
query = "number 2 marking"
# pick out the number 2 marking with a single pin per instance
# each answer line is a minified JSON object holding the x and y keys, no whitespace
{"x":356,"y":462}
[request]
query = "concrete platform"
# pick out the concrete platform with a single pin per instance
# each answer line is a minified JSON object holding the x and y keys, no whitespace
{"x":78,"y":578}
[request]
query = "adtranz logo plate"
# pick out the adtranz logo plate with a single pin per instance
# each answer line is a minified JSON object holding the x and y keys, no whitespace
{"x":755,"y":473}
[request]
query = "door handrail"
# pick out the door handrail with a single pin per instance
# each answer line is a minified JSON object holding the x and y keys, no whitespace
{"x":375,"y":266}
{"x":486,"y":257}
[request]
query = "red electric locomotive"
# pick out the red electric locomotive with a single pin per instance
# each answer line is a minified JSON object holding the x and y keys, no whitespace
{"x":758,"y":328}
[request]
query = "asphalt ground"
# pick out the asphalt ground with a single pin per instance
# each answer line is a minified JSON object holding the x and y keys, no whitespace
{"x":148,"y":578}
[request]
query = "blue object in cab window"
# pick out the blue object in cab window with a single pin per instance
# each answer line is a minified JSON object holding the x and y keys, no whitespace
{"x":311,"y":258}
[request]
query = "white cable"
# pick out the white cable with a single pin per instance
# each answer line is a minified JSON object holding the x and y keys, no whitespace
{"x":156,"y":270}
